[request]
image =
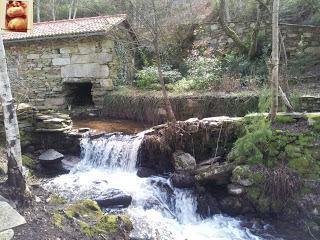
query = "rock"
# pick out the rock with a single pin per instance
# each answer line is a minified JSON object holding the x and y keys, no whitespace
{"x":182,"y":180}
{"x":207,"y":205}
{"x":183,"y":161}
{"x":144,"y":172}
{"x":7,"y":235}
{"x":210,"y":161}
{"x":12,"y":204}
{"x":9,"y":218}
{"x":242,"y":175}
{"x":83,"y":130}
{"x":69,"y":162}
{"x":220,"y":174}
{"x":235,"y":189}
{"x":50,"y":157}
{"x":114,"y":199}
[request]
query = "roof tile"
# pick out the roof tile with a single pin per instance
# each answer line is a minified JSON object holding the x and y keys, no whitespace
{"x":62,"y":28}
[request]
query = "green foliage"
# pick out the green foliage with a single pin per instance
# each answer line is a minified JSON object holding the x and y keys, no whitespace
{"x":29,"y":162}
{"x":240,"y":65}
{"x":264,"y":100}
{"x":203,"y":73}
{"x":272,"y":148}
{"x":148,"y":77}
{"x":253,"y":146}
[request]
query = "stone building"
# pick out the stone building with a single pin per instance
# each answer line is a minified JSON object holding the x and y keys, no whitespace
{"x":65,"y":63}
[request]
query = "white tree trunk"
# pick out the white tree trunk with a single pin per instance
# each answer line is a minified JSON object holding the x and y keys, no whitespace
{"x":275,"y":59}
{"x":38,"y":11}
{"x":15,"y":174}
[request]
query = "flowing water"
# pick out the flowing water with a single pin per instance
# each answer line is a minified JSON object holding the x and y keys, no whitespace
{"x":158,"y":210}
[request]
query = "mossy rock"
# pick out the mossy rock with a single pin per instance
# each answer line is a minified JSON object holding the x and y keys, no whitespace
{"x":58,"y":219}
{"x":93,"y":222}
{"x":84,"y":209}
{"x":57,"y":200}
{"x":29,"y":162}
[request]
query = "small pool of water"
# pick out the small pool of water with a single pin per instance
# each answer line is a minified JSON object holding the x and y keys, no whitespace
{"x":111,"y":125}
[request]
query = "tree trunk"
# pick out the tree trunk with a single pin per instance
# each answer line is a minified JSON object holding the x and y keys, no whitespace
{"x":275,"y":60}
{"x":38,"y":11}
{"x":71,"y":5}
{"x":15,"y":172}
{"x":53,"y":10}
{"x":254,"y":37}
{"x":75,"y":9}
{"x":170,"y":113}
{"x":229,"y":32}
{"x":227,"y":10}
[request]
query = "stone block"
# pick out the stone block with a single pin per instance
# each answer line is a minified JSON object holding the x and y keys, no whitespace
{"x":86,"y":48}
{"x":89,"y":70}
{"x":66,"y":50}
{"x":307,"y":34}
{"x":106,"y":84}
{"x":104,"y":71}
{"x":107,"y":44}
{"x":60,"y":61}
{"x":33,"y":56}
{"x":48,"y":56}
{"x":101,"y":58}
{"x":313,"y":50}
{"x":59,"y":101}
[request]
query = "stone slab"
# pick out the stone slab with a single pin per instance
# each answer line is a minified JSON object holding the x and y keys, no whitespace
{"x":7,"y":235}
{"x":51,"y":155}
{"x":9,"y":218}
{"x":89,"y":70}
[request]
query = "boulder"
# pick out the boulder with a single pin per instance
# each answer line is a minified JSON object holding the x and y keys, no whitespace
{"x":144,"y":172}
{"x":207,"y":205}
{"x":218,"y":174}
{"x":50,"y":157}
{"x":182,"y":180}
{"x":242,"y":175}
{"x":9,"y":218}
{"x":184,"y":161}
{"x":114,"y":199}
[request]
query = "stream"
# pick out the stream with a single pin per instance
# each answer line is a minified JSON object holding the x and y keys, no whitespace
{"x":158,"y":210}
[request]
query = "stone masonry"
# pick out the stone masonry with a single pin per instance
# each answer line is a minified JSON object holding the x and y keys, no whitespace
{"x":40,"y":70}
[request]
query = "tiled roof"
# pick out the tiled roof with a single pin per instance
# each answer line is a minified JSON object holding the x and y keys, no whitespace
{"x":62,"y":28}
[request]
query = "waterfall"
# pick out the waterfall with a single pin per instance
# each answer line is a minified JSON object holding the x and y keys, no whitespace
{"x":158,"y":211}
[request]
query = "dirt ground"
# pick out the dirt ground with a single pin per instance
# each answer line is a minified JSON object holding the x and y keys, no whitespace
{"x":39,"y":218}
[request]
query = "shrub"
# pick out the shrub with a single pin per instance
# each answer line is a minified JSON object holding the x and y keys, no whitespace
{"x":148,"y":78}
{"x":203,"y":72}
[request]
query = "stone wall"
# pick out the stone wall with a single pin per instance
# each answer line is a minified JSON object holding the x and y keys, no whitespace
{"x":150,"y":109}
{"x":213,"y":35}
{"x":39,"y":70}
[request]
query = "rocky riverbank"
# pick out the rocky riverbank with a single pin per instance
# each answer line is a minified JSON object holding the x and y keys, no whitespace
{"x":240,"y":168}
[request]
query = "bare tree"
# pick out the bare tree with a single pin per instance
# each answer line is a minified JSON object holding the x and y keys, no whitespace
{"x":53,"y":9}
{"x":73,"y":9}
{"x":150,"y":16}
{"x":15,"y":172}
{"x":275,"y":59}
{"x":38,"y":11}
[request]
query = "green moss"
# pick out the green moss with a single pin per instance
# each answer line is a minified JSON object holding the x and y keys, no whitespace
{"x":108,"y":224}
{"x":58,"y":220}
{"x":29,"y":162}
{"x":285,"y":119}
{"x":57,"y":200}
{"x":84,"y":209}
{"x":86,"y":228}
